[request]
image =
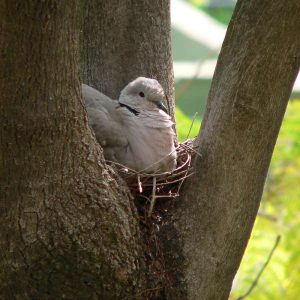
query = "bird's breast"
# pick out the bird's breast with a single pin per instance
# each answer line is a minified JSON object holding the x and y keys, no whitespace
{"x":152,"y":148}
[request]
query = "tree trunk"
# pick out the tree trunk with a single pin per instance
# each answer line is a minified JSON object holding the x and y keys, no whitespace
{"x":123,"y":40}
{"x":67,"y":228}
{"x":252,"y":83}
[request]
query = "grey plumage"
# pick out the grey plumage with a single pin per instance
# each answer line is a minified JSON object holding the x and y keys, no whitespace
{"x":134,"y":131}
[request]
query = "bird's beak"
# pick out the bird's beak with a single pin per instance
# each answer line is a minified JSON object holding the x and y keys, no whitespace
{"x":161,"y":106}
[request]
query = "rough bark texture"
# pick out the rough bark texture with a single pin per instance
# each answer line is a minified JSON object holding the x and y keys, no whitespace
{"x":126,"y":39}
{"x":250,"y":90}
{"x":67,"y":228}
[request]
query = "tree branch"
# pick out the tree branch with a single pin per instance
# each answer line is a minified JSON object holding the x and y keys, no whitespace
{"x":255,"y":282}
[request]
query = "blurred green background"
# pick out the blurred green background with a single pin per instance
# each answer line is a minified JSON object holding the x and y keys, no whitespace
{"x":279,"y":213}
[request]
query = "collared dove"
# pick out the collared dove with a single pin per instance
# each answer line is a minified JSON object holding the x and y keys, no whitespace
{"x":135,"y":131}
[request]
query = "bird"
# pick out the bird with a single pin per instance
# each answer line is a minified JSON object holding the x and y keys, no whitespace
{"x":136,"y":130}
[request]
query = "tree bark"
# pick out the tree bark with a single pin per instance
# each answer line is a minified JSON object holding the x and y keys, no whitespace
{"x":123,"y":40}
{"x":67,"y":228}
{"x":252,"y":83}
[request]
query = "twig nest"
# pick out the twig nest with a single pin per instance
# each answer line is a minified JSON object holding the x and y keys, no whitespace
{"x":167,"y":184}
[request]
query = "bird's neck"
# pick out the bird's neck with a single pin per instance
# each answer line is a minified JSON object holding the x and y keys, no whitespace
{"x":132,"y":110}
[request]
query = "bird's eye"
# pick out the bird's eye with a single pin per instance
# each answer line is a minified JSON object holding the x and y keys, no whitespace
{"x":142,"y":94}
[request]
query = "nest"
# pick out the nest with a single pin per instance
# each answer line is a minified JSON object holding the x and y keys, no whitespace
{"x":151,"y":187}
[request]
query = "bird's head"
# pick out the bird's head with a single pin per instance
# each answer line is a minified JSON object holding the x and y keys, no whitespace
{"x":144,"y":94}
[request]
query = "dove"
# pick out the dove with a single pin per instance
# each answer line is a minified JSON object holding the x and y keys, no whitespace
{"x":136,"y":130}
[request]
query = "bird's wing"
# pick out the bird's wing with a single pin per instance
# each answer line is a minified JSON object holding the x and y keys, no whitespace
{"x":105,"y":119}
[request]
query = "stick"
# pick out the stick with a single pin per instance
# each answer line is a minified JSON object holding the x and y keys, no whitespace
{"x":193,"y":120}
{"x":255,"y":282}
{"x":152,"y":203}
{"x":140,"y":184}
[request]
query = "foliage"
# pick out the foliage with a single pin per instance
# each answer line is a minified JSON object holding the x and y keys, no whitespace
{"x":184,"y":125}
{"x":221,"y":14}
{"x":279,"y":214}
{"x":198,"y":2}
